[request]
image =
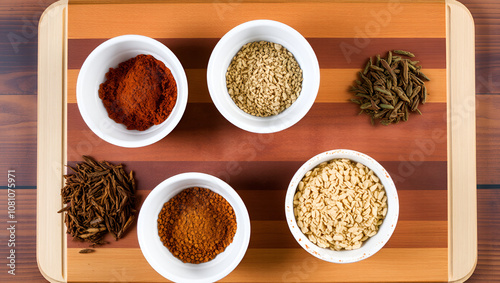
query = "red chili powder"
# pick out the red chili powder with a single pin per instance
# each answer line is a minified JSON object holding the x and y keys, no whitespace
{"x":139,"y":93}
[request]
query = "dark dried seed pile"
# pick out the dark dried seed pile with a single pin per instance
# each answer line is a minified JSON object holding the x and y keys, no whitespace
{"x":100,"y":198}
{"x":389,"y":89}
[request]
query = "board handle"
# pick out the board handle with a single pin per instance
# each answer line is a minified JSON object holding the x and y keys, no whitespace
{"x":51,"y":141}
{"x":462,"y":207}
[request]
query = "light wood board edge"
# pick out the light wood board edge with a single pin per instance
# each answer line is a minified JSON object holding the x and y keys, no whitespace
{"x":93,"y":2}
{"x":51,"y":140}
{"x":51,"y":240}
{"x":462,"y":206}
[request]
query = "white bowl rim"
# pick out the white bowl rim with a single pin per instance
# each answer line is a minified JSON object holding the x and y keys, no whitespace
{"x":389,"y":223}
{"x":227,"y":189}
{"x":284,"y":124}
{"x":181,"y":82}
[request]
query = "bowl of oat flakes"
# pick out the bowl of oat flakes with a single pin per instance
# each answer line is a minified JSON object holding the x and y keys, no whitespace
{"x":342,"y":206}
{"x":263,"y":76}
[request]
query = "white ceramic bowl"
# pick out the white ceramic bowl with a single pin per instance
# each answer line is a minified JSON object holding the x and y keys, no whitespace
{"x":160,"y":258}
{"x":108,"y":55}
{"x":226,"y":49}
{"x":370,"y":246}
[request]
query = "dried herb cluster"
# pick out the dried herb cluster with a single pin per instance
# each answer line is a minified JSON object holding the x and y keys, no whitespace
{"x":389,"y":89}
{"x":100,"y":198}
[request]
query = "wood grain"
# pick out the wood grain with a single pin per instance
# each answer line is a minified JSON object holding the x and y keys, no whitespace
{"x":19,"y":57}
{"x":18,"y":145}
{"x":189,"y":20}
{"x":26,"y":266}
{"x":488,"y":267}
{"x":488,"y":138}
{"x":18,"y":118}
{"x":486,"y":15}
{"x":19,"y":157}
{"x":19,"y":34}
{"x":17,"y":83}
{"x":18,"y":137}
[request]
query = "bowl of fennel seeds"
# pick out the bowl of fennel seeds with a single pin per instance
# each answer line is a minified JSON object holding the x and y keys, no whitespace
{"x":263,"y":76}
{"x":390,"y":89}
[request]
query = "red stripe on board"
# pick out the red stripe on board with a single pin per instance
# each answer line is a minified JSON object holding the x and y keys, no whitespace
{"x":203,"y":134}
{"x":274,"y":175}
{"x":338,"y":53}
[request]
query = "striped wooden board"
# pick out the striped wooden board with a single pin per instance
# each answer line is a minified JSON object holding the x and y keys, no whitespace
{"x":343,"y":35}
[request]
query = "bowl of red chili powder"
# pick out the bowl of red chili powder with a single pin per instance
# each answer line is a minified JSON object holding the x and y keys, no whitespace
{"x":193,"y":227}
{"x":131,"y":91}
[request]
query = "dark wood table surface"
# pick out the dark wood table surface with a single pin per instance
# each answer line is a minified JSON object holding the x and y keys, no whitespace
{"x":18,"y":133}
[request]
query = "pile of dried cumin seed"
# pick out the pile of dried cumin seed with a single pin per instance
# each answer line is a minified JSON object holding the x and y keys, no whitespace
{"x":100,"y":198}
{"x":264,"y":78}
{"x":391,"y":88}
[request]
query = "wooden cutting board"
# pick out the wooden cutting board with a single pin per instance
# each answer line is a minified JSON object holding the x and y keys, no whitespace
{"x":431,"y":157}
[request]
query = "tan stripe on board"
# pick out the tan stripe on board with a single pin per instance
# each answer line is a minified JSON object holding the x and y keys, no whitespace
{"x":334,"y":85}
{"x":271,"y":265}
{"x":202,"y":20}
{"x":268,"y":206}
{"x":275,"y":234}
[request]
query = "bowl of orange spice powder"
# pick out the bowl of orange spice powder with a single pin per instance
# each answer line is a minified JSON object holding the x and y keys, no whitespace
{"x":193,"y":227}
{"x":131,"y":91}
